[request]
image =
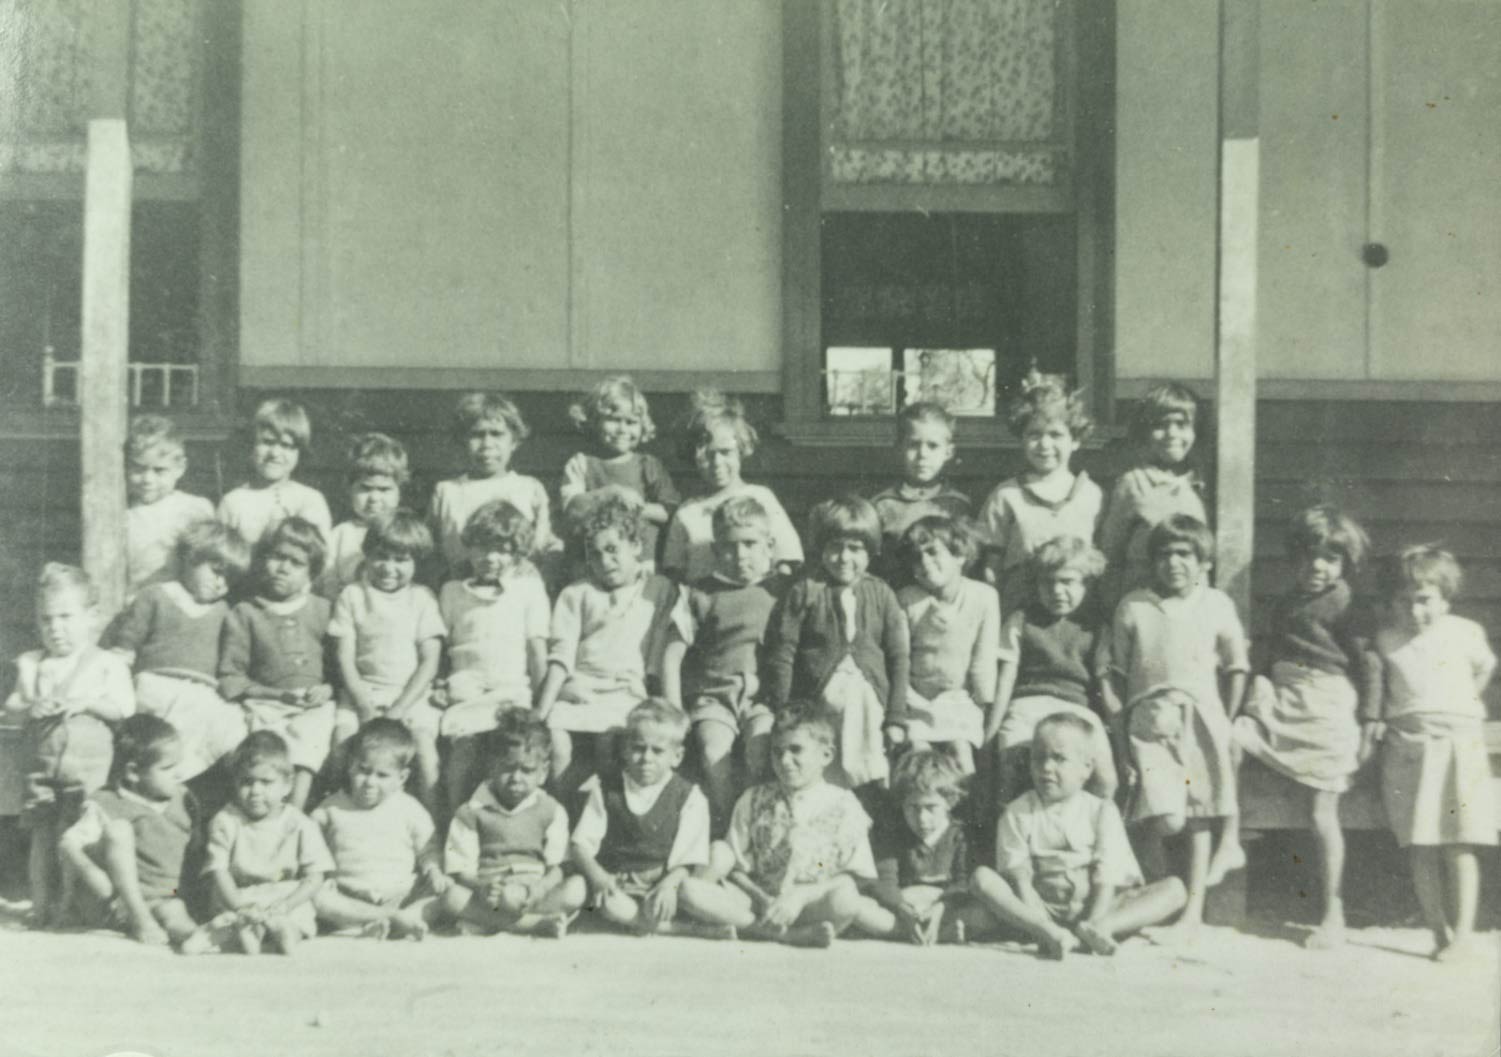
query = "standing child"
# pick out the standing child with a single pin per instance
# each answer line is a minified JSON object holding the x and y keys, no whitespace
{"x":719,"y":438}
{"x":1302,"y":722}
{"x":498,"y":620}
{"x":377,"y":472}
{"x":1435,"y":774}
{"x":280,"y":434}
{"x":1170,"y":649}
{"x":158,"y":513}
{"x":1048,"y":500}
{"x":68,"y":693}
{"x":271,"y":655}
{"x":925,"y":447}
{"x":388,"y":638}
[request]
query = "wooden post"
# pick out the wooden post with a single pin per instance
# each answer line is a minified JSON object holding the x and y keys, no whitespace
{"x":106,"y":339}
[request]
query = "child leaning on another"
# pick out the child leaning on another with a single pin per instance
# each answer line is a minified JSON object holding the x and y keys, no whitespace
{"x":157,"y":514}
{"x":377,"y":472}
{"x":279,"y":436}
{"x":925,"y":449}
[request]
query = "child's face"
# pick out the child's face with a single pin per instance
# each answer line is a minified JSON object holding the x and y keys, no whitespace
{"x":1171,"y":439}
{"x":375,"y":776}
{"x":262,"y":788}
{"x":390,"y":570}
{"x":490,"y":444}
{"x":613,"y":559}
{"x":274,"y":455}
{"x":66,"y":621}
{"x":620,"y":429}
{"x":206,"y":582}
{"x":1061,"y":763}
{"x":159,"y":780}
{"x":285,"y":572}
{"x":844,"y":559}
{"x":374,"y":496}
{"x":1048,"y":445}
{"x":718,"y":458}
{"x":1420,"y":606}
{"x":492,"y":562}
{"x":937,"y":568}
{"x":926,"y":450}
{"x":1178,"y":568}
{"x":516,"y":776}
{"x":743,"y":553}
{"x":152,"y":475}
{"x":1320,"y":570}
{"x":1061,"y":591}
{"x":651,"y":753}
{"x":800,"y":759}
{"x":927,"y":816}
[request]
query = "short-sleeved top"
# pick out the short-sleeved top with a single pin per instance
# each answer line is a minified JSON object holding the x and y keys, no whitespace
{"x":346,"y":554}
{"x":724,"y":623}
{"x":1436,"y":669}
{"x":387,"y":628}
{"x":92,"y":680}
{"x":1054,"y":656}
{"x":275,"y":644}
{"x":689,"y":845}
{"x":903,"y":860}
{"x":376,"y":851}
{"x":1017,"y":520}
{"x":1183,"y":642}
{"x":167,"y":834}
{"x":1143,"y":497}
{"x":170,"y":633}
{"x":456,"y":500}
{"x":489,"y":634}
{"x":534,"y":832}
{"x":898,"y":507}
{"x":640,"y":472}
{"x":254,"y":511}
{"x":618,"y":633}
{"x":689,"y":550}
{"x":286,"y":845}
{"x":1081,"y":835}
{"x":953,"y":642}
{"x":782,"y":839}
{"x":151,"y":534}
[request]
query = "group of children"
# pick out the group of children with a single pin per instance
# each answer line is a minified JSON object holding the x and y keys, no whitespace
{"x":936,"y":729}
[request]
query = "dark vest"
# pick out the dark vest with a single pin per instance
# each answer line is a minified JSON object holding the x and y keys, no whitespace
{"x":162,"y":840}
{"x":506,"y":841}
{"x":640,"y":842}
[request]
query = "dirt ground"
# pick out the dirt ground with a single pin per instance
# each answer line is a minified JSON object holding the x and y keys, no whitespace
{"x":94,"y":994}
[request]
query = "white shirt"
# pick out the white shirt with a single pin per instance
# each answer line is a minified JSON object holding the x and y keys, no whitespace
{"x":690,"y":846}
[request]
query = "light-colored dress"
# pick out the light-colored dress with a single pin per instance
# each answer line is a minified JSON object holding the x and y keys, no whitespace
{"x":688,"y":552}
{"x":953,"y":653}
{"x":488,"y":635}
{"x":1017,"y":520}
{"x":253,"y":511}
{"x":456,"y":500}
{"x":388,"y":627}
{"x":151,"y":534}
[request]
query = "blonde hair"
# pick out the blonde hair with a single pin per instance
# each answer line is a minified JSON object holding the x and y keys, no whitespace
{"x":616,"y":391}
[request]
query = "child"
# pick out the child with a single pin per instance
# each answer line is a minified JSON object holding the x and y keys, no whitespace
{"x":713,"y":651}
{"x":615,"y":418}
{"x":1302,"y":722}
{"x":158,"y":513}
{"x":491,"y":429}
{"x":498,"y":621}
{"x":1066,"y":871}
{"x":68,"y":693}
{"x":280,"y":434}
{"x":1048,"y":500}
{"x":797,"y":845}
{"x":1435,"y":775}
{"x":171,"y":631}
{"x":1162,"y":483}
{"x":925,"y":446}
{"x":388,"y":638}
{"x":608,"y":633}
{"x":954,"y":624}
{"x":271,"y":656}
{"x":1168,"y":650}
{"x":839,"y":637}
{"x":1050,"y":663}
{"x":377,"y":472}
{"x":130,"y":850}
{"x":923,"y":862}
{"x":719,"y":437}
{"x":387,"y":875}
{"x":266,"y":859}
{"x":643,"y":829}
{"x":507,"y":844}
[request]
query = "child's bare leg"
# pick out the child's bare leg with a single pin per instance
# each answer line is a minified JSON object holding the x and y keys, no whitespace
{"x":1228,"y":854}
{"x":1330,"y":837}
{"x":120,"y":863}
{"x":825,"y":917}
{"x":466,"y":906}
{"x":282,"y":935}
{"x":713,"y":904}
{"x":1428,"y":882}
{"x":716,"y":745}
{"x":340,"y":911}
{"x":1131,"y":911}
{"x":623,"y":911}
{"x":875,"y":920}
{"x":1462,"y":867}
{"x":427,"y":773}
{"x":302,"y":785}
{"x":172,"y":915}
{"x":1198,"y":838}
{"x":42,"y":871}
{"x":562,"y":754}
{"x":551,"y":911}
{"x":995,"y":893}
{"x":963,"y":755}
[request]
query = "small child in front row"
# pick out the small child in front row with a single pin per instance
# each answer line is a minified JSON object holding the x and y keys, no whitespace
{"x":280,"y":434}
{"x":389,"y":641}
{"x":271,"y":656}
{"x":266,"y":859}
{"x":1435,"y":774}
{"x":1064,"y":868}
{"x":377,"y":472}
{"x":387,"y":872}
{"x":925,"y":448}
{"x":507,"y":845}
{"x":158,"y":514}
{"x":642,"y":832}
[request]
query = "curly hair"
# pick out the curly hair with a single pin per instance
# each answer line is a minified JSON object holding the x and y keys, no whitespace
{"x":1067,"y":552}
{"x":957,"y":536}
{"x":1424,"y":565}
{"x":1047,"y":398}
{"x":499,"y":525}
{"x":615,"y":393}
{"x":612,"y":512}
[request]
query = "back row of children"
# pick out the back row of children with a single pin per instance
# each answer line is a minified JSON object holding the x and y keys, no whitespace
{"x":944,"y":660}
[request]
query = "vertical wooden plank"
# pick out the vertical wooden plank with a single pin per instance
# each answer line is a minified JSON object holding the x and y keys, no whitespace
{"x":802,"y":290}
{"x":219,"y":122}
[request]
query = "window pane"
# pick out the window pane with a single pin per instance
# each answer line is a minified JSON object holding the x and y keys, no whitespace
{"x":859,"y":381}
{"x":962,"y":380}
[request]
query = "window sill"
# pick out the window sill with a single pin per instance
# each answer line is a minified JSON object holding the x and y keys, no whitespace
{"x":61,"y":423}
{"x":985,"y":434}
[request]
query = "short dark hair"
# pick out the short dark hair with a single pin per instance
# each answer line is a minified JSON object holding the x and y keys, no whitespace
{"x":140,"y":740}
{"x":501,"y":525}
{"x":283,"y":416}
{"x":383,"y":734}
{"x":261,"y":746}
{"x":1327,"y":527}
{"x":520,"y":731}
{"x":956,"y":536}
{"x":1181,"y":528}
{"x":848,"y":516}
{"x":210,"y":540}
{"x":402,"y":533}
{"x":1169,"y":398}
{"x":816,"y":719}
{"x":296,"y":532}
{"x":474,"y":408}
{"x":372,"y":454}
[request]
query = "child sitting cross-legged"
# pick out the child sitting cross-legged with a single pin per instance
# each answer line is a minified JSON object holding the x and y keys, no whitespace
{"x":643,"y":829}
{"x":506,"y":846}
{"x":1064,"y":868}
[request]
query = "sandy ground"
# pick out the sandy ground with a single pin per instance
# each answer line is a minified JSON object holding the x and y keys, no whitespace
{"x":92,"y":994}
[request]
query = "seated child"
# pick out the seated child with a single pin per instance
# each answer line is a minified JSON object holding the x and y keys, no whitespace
{"x":713,"y":651}
{"x":1066,"y":871}
{"x":171,"y":631}
{"x":388,"y":636}
{"x":498,"y":620}
{"x":506,"y":846}
{"x":68,"y":693}
{"x":387,"y":872}
{"x":279,"y":434}
{"x":954,"y":623}
{"x":643,"y":829}
{"x":797,"y":845}
{"x":130,"y":850}
{"x":377,"y":472}
{"x":925,"y":446}
{"x":271,"y":656}
{"x":266,"y":859}
{"x":157,"y":514}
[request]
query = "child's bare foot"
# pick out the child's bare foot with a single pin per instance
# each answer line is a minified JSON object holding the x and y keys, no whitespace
{"x":283,"y":936}
{"x":931,"y":926}
{"x":552,"y":927}
{"x":150,"y":933}
{"x":248,"y":938}
{"x":700,"y":930}
{"x":1462,"y":949}
{"x":767,"y":933}
{"x":1182,"y":933}
{"x":409,"y":924}
{"x":953,"y":930}
{"x":1055,"y":947}
{"x":1330,"y":935}
{"x":1226,"y":860}
{"x":1097,"y":941}
{"x":376,"y":930}
{"x":819,"y":935}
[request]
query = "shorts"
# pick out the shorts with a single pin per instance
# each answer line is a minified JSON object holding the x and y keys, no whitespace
{"x":593,"y":704}
{"x":67,"y":759}
{"x":526,"y":874}
{"x":416,"y":889}
{"x":422,"y":719}
{"x":636,"y":883}
{"x":465,"y":715}
{"x":732,"y":702}
{"x":308,"y":731}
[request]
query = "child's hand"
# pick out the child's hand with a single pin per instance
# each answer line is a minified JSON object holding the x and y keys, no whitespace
{"x":661,"y":903}
{"x":438,"y":696}
{"x":910,"y":923}
{"x":896,"y":735}
{"x":316,"y":696}
{"x":438,"y":882}
{"x":1370,"y":740}
{"x":150,"y":933}
{"x":782,"y":912}
{"x":292,"y":697}
{"x":48,"y":707}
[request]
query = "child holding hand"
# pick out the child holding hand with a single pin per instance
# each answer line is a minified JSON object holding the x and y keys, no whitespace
{"x":377,"y":472}
{"x":279,"y":436}
{"x":157,"y":514}
{"x":925,"y":449}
